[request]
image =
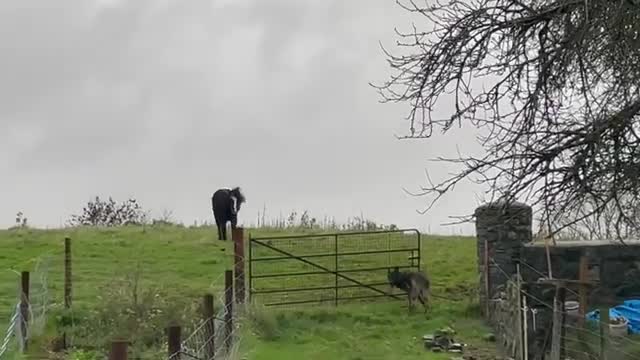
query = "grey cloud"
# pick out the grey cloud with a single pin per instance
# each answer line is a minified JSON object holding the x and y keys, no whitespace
{"x":166,"y":100}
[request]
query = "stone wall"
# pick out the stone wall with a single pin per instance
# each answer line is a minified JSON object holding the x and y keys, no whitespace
{"x":504,"y":228}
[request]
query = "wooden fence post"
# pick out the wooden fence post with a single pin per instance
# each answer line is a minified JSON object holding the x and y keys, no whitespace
{"x":604,"y":332}
{"x":521,"y":335}
{"x":67,"y":283}
{"x":238,"y":245}
{"x":173,"y":341}
{"x":210,"y":329}
{"x":228,"y":300}
{"x":583,"y":277}
{"x":24,"y":308}
{"x":557,"y":344}
{"x":582,"y":290}
{"x":67,"y":272}
{"x":118,"y":350}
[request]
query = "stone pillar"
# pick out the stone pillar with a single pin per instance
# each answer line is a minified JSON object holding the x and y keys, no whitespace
{"x":505,"y":228}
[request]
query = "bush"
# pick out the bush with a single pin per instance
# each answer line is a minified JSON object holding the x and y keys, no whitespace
{"x":108,"y":213}
{"x":129,"y":310}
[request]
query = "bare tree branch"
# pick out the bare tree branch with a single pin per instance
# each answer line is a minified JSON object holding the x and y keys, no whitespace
{"x":552,"y":86}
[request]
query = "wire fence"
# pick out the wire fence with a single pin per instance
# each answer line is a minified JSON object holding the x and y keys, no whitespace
{"x":207,"y":340}
{"x":219,"y":336}
{"x":211,"y":336}
{"x":579,"y":338}
{"x":20,"y":329}
{"x":14,"y":326}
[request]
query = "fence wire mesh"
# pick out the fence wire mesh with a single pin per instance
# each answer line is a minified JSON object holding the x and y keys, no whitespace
{"x":582,"y":339}
{"x":20,"y":330}
{"x":211,"y":338}
{"x":13,"y":328}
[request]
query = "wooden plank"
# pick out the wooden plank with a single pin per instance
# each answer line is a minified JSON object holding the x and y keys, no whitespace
{"x":565,"y":283}
{"x":546,"y":248}
{"x":582,"y":290}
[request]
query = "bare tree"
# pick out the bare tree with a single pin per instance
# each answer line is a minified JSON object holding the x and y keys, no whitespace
{"x":552,"y":87}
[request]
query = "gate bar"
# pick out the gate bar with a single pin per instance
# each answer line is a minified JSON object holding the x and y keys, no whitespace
{"x":272,"y":258}
{"x":325,"y":273}
{"x":275,"y":291}
{"x":317,"y":301}
{"x":323,"y":268}
{"x":306,"y":236}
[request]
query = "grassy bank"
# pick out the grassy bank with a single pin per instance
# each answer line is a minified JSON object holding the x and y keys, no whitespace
{"x":174,"y":266}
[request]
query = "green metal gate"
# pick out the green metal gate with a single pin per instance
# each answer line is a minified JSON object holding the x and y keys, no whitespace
{"x":329,"y":268}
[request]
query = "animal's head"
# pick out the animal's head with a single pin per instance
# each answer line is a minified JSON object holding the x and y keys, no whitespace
{"x":237,"y":193}
{"x":393,"y":276}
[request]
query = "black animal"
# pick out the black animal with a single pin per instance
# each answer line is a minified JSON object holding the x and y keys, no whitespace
{"x":415,"y":284}
{"x":226,"y":204}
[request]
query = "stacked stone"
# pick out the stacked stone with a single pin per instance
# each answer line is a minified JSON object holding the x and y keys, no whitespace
{"x":505,"y":227}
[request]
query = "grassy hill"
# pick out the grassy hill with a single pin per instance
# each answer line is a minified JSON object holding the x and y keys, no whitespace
{"x":118,"y":272}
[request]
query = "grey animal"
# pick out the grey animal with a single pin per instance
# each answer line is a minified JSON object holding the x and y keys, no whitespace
{"x":415,"y":283}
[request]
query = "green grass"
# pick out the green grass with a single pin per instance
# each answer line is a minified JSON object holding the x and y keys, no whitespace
{"x":181,"y":264}
{"x":367,"y":331}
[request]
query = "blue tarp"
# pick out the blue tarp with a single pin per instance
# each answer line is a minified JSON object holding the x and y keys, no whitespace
{"x":630,"y":309}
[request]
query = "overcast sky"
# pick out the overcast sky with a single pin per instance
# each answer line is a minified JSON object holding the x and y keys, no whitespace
{"x":167,"y":100}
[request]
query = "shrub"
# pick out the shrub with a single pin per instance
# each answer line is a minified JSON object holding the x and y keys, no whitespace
{"x":131,"y":311}
{"x":100,"y":212}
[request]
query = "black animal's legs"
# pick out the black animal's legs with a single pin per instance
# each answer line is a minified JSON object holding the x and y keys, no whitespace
{"x":221,"y":225}
{"x":223,"y":228}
